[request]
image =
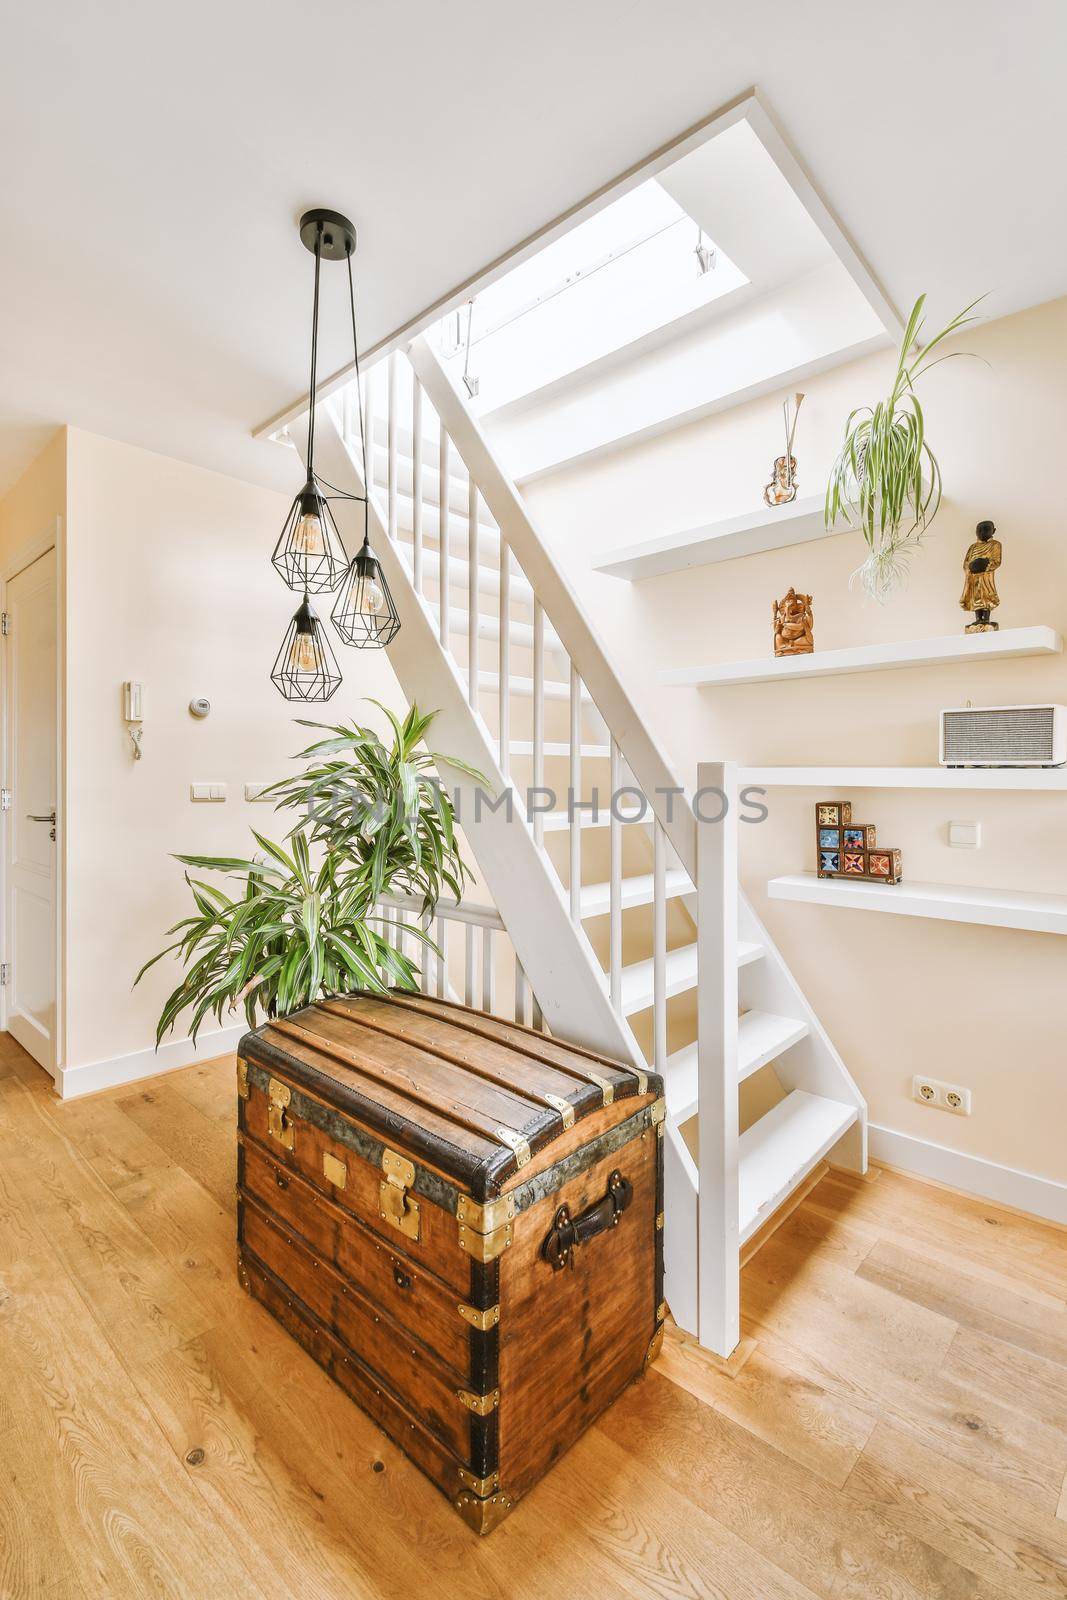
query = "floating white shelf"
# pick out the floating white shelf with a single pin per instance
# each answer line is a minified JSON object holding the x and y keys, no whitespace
{"x":830,"y":779}
{"x":768,"y":528}
{"x":946,"y":902}
{"x":950,"y":647}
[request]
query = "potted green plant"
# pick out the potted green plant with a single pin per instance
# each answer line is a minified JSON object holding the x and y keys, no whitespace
{"x":886,"y":479}
{"x":304,"y":921}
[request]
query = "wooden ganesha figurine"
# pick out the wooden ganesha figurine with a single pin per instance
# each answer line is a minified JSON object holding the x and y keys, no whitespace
{"x":793,"y":625}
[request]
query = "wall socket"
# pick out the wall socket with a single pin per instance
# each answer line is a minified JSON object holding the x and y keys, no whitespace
{"x":946,"y":1096}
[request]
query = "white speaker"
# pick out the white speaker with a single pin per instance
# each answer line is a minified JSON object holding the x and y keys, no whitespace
{"x":1004,"y":736}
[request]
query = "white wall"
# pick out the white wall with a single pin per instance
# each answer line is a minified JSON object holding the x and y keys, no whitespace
{"x":169,"y":582}
{"x":978,"y":1006}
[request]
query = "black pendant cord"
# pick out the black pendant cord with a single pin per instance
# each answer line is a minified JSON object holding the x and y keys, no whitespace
{"x":314,"y":353}
{"x":359,"y":404}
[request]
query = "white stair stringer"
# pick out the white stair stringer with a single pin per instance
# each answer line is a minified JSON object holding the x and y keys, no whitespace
{"x":555,"y":954}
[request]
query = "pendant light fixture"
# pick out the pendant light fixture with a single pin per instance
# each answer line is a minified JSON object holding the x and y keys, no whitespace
{"x":306,"y":667}
{"x":364,"y":612}
{"x":310,"y":554}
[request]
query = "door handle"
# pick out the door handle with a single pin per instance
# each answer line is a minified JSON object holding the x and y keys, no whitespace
{"x":50,"y":819}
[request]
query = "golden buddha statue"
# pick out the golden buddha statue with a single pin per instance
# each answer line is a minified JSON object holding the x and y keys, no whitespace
{"x":980,"y":586}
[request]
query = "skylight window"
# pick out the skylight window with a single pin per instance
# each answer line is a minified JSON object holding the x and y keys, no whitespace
{"x":628,"y":272}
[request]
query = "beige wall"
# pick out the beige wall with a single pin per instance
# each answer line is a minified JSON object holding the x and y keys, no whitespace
{"x":978,"y":1006}
{"x":32,"y":506}
{"x":169,"y":582}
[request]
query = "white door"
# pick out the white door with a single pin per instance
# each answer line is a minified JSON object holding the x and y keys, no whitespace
{"x":30,"y":835}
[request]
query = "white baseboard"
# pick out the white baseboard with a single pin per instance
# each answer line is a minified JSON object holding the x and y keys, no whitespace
{"x":92,"y":1076}
{"x":1023,"y":1191}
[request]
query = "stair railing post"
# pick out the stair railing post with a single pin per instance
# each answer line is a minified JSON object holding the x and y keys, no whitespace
{"x":416,"y":482}
{"x":718,"y":1268}
{"x":391,"y":445}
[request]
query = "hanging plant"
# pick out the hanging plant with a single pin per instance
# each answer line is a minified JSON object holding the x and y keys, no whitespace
{"x":374,"y":821}
{"x":886,"y":478}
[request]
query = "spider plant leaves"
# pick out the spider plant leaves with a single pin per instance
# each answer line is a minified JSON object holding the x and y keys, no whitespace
{"x":886,"y":479}
{"x":371,"y":818}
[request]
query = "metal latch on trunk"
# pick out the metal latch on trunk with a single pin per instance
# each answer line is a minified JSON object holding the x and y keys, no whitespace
{"x":278,"y":1125}
{"x":395,"y":1204}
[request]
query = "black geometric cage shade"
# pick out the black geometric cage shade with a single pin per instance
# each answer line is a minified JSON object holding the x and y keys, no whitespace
{"x":364,"y":612}
{"x":310,"y":555}
{"x":306,"y":667}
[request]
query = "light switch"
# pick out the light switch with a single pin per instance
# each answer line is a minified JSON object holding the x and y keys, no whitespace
{"x":254,"y":791}
{"x":207,"y":791}
{"x":965,"y":835}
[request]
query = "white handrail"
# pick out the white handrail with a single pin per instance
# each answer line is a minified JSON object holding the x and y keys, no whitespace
{"x":454,"y":910}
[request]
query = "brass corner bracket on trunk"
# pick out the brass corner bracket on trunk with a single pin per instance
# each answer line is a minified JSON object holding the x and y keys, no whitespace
{"x":482,"y":1320}
{"x":654,"y":1347}
{"x":480,"y":1404}
{"x":479,"y":1486}
{"x":242,"y":1080}
{"x":483,"y":1515}
{"x":485,"y":1230}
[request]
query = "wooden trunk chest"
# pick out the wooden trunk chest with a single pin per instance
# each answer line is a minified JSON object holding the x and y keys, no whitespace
{"x":461,"y":1220}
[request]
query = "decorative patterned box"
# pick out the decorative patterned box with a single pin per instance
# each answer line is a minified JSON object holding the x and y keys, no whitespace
{"x":847,"y":849}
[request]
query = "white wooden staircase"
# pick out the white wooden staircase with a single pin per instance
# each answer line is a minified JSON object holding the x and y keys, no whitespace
{"x":494,"y":637}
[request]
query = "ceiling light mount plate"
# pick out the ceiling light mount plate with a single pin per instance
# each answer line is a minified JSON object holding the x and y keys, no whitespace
{"x":338,"y":234}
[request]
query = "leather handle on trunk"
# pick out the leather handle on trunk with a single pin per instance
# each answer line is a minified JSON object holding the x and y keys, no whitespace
{"x":568,"y":1232}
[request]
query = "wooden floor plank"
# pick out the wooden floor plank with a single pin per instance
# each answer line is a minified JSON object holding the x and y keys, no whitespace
{"x":971,"y":1301}
{"x":983,"y":1526}
{"x":820,"y":1537}
{"x":203,"y":1147}
{"x":921,"y":1215}
{"x":896,"y":1430}
{"x":813,"y":1426}
{"x":88,"y":1454}
{"x":651,"y":1536}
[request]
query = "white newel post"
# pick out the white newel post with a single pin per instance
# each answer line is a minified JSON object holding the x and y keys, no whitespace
{"x":715,"y":804}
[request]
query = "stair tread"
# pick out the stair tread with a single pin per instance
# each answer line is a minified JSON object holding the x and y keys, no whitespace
{"x":779,"y":1151}
{"x":559,"y":821}
{"x":761,"y":1038}
{"x":638,"y":979}
{"x":592,"y":752}
{"x":553,"y":688}
{"x":521,"y":634}
{"x":637,"y":890}
{"x":488,"y":577}
{"x":405,"y":505}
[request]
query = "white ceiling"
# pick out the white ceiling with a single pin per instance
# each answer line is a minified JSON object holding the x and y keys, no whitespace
{"x":151,"y":283}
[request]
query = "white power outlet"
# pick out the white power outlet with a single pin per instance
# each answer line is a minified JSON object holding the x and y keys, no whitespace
{"x":946,"y":1096}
